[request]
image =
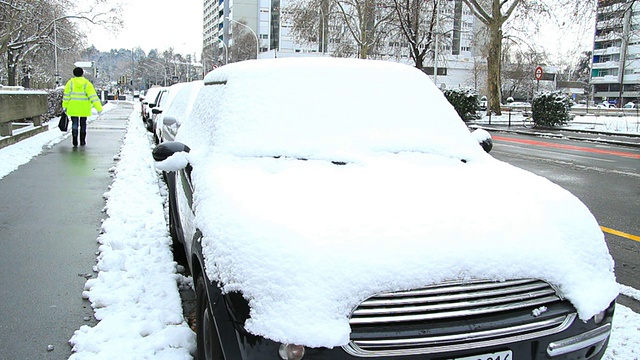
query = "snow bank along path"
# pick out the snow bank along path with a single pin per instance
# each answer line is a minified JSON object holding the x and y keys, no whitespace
{"x":135,"y":295}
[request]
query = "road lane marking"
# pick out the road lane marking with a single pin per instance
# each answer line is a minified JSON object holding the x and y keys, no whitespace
{"x":620,"y":233}
{"x":556,"y":153}
{"x":569,"y":147}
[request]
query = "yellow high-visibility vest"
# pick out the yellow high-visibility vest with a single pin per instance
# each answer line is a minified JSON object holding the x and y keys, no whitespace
{"x":79,"y":96}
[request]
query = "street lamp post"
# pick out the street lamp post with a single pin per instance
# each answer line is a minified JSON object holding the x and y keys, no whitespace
{"x":253,"y":32}
{"x":226,"y":52}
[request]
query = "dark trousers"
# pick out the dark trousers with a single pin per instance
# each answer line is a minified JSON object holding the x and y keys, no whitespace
{"x":79,"y":122}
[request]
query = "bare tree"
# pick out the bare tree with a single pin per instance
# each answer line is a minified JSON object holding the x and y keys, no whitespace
{"x":364,"y":20}
{"x":415,"y":20}
{"x":495,"y":13}
{"x":350,"y":26}
{"x":29,"y":25}
{"x":518,"y":77}
{"x":243,"y":45}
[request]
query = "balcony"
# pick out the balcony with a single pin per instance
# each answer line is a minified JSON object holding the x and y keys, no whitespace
{"x":609,"y":36}
{"x":608,"y":51}
{"x":607,"y":79}
{"x":609,"y":24}
{"x":607,"y":65}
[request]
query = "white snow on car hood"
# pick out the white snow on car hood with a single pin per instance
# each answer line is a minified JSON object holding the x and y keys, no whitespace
{"x":332,"y":235}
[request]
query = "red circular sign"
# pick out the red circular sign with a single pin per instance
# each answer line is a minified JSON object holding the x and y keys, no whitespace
{"x":538,"y":73}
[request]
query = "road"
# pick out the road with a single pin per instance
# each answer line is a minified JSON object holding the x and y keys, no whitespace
{"x":606,"y":178}
{"x":51,"y":214}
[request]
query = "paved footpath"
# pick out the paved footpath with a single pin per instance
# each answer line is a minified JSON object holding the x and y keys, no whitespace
{"x":50,"y":216}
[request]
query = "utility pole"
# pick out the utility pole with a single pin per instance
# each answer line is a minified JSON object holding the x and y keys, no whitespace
{"x":55,"y":50}
{"x":435,"y":55}
{"x":132,"y":72}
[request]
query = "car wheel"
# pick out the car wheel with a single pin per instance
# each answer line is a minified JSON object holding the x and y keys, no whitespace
{"x":207,"y":335}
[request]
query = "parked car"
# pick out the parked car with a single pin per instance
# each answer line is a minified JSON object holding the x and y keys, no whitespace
{"x":605,"y":105}
{"x":178,"y":102}
{"x":630,"y":105}
{"x":483,"y":103}
{"x":163,"y":102}
{"x":324,"y":214}
{"x":149,"y":102}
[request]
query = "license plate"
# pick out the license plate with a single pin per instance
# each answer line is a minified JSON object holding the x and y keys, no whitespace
{"x":500,"y":355}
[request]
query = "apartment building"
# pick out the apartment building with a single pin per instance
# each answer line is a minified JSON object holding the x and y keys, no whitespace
{"x":615,"y":70}
{"x":219,"y":15}
{"x":457,"y":64}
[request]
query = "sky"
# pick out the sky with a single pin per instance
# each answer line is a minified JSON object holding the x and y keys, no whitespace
{"x":140,"y":314}
{"x":155,"y":24}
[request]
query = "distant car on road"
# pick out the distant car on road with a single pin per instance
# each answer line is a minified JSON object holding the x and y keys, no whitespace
{"x":324,"y":214}
{"x":605,"y":105}
{"x":630,"y":105}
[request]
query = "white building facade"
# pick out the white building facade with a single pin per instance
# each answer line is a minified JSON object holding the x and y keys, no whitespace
{"x":615,"y":67}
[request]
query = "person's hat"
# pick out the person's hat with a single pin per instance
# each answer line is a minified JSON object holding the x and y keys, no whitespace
{"x":78,"y":71}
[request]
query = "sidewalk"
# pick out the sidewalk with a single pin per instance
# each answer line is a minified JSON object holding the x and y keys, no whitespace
{"x":52,"y":213}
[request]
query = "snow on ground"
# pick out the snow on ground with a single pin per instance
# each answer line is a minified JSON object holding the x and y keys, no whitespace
{"x":619,"y":125}
{"x":135,"y":294}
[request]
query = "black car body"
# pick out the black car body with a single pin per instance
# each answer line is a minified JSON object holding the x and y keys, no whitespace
{"x":461,"y":318}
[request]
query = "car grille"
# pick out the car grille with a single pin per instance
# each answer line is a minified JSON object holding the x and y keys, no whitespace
{"x":456,"y":316}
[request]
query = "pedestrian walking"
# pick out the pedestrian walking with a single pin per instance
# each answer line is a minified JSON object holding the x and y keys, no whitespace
{"x":79,"y":97}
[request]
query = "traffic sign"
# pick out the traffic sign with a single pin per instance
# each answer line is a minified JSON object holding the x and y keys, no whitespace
{"x":84,"y":64}
{"x":538,"y":73}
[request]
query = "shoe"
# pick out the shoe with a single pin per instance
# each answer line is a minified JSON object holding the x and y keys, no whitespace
{"x":75,"y":142}
{"x":83,"y":143}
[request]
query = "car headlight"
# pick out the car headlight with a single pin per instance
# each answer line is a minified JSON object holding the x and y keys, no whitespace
{"x":597,"y":318}
{"x":291,"y":352}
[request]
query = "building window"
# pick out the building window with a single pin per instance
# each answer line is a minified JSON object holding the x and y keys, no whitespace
{"x":429,"y":70}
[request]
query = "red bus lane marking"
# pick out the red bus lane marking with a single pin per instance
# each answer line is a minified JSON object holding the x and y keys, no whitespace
{"x":569,"y":147}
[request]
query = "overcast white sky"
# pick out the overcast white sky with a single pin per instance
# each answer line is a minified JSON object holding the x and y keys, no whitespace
{"x":155,"y":24}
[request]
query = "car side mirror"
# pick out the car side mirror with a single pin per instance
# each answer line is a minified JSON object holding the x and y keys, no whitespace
{"x":166,"y":149}
{"x":169,"y":120}
{"x":156,"y":110}
{"x":483,"y":138}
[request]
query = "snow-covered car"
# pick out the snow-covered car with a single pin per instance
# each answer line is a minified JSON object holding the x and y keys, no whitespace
{"x":605,"y":105}
{"x":483,"y":103}
{"x":161,"y":108}
{"x":630,"y":105}
{"x":325,"y":215}
{"x":182,"y":97}
{"x":149,"y":102}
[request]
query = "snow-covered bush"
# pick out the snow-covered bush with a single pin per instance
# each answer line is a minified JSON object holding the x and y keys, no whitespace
{"x":55,"y":102}
{"x":465,"y":101}
{"x":551,"y":108}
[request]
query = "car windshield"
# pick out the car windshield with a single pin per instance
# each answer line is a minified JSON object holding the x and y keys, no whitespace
{"x":333,"y":112}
